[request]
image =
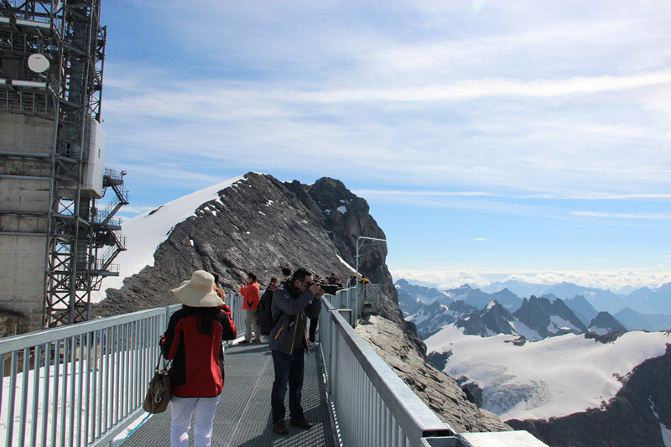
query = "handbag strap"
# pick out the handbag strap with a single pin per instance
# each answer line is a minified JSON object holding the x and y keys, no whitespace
{"x":166,"y":363}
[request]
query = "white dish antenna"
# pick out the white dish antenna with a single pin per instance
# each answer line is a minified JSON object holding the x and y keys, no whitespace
{"x":38,"y":63}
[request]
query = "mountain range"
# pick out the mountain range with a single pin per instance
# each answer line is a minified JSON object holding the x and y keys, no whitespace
{"x":642,"y":309}
{"x":559,"y":368}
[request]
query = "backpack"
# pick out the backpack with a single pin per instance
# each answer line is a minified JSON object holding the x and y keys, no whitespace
{"x":264,"y":314}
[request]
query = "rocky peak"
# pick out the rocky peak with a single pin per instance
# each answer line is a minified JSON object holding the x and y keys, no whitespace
{"x":507,"y":299}
{"x":493,"y":319}
{"x":257,"y":224}
{"x":548,"y":318}
{"x":605,"y":323}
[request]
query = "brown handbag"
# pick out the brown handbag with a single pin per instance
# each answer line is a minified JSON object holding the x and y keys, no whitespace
{"x":158,"y":394}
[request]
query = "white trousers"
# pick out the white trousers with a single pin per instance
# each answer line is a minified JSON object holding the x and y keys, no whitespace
{"x":182,"y":409}
{"x":252,"y":322}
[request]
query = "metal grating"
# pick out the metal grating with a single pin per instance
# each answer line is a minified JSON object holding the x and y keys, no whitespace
{"x":243,"y":415}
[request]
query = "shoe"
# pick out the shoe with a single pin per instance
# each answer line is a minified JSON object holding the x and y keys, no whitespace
{"x":244,"y":342}
{"x":280,"y":428}
{"x":256,"y":341}
{"x":304,"y":424}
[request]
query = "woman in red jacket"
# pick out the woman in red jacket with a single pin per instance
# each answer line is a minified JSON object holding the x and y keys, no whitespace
{"x":193,"y":341}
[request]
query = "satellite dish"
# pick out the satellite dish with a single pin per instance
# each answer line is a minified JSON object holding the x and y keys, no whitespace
{"x":38,"y":63}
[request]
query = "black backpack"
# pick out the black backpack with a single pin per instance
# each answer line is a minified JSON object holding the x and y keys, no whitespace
{"x":264,"y":314}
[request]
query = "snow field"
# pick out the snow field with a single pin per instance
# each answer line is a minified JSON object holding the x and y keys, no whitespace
{"x":553,"y":377}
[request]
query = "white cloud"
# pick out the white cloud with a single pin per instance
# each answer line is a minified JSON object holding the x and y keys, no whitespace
{"x":446,"y":278}
{"x":626,"y":216}
{"x":480,"y":239}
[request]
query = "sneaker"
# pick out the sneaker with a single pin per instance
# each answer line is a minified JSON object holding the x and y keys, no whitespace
{"x":304,"y":424}
{"x":256,"y":341}
{"x":280,"y":428}
{"x":244,"y":342}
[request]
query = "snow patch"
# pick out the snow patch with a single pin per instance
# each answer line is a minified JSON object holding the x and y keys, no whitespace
{"x":342,"y":261}
{"x":553,"y":377}
{"x":557,"y":323}
{"x":342,"y":209}
{"x":666,"y":433}
{"x":598,"y":330}
{"x":144,"y":233}
{"x":191,"y":242}
{"x":524,"y":330}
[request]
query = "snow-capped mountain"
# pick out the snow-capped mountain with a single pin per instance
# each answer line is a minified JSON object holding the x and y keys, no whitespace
{"x":493,"y":319}
{"x":507,"y":299}
{"x":519,"y":288}
{"x":430,"y":318}
{"x":569,"y":378}
{"x":604,"y":323}
{"x":412,"y":296}
{"x":548,"y":318}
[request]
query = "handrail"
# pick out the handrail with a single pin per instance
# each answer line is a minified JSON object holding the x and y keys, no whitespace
{"x":372,"y":404}
{"x":79,"y":384}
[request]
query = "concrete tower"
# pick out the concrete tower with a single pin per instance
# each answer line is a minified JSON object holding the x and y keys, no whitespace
{"x":56,"y":245}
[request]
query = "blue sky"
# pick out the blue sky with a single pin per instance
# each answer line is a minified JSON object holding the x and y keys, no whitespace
{"x":530,"y":138}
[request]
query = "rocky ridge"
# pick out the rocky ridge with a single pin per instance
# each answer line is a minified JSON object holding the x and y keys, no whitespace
{"x":258,"y":224}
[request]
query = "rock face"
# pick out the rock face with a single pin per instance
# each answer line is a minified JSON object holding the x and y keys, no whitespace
{"x":431,"y":318}
{"x":549,"y":318}
{"x":439,"y":391}
{"x":636,"y":416}
{"x":411,"y":296}
{"x":493,"y":319}
{"x":260,"y":225}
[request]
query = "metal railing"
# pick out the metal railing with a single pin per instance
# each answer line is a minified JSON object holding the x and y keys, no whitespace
{"x":81,"y":384}
{"x":373,"y":406}
{"x":354,"y":302}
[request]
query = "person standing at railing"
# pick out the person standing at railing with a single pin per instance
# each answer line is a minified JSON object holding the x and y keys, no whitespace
{"x":193,"y":341}
{"x":293,"y":303}
{"x":251,"y":295}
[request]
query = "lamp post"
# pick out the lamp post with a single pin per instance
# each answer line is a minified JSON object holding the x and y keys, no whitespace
{"x":360,"y":243}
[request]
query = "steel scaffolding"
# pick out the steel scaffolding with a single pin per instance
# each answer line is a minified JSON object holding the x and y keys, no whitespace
{"x":67,"y":94}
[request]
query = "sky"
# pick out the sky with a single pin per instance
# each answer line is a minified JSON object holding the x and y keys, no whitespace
{"x":526,"y":139}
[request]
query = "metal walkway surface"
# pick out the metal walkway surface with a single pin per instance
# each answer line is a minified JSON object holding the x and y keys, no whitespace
{"x":243,"y":414}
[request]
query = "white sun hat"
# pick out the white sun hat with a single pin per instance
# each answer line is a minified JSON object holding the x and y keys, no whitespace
{"x":198,"y":291}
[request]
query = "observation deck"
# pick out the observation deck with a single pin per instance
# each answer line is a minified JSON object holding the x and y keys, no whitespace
{"x":84,"y":384}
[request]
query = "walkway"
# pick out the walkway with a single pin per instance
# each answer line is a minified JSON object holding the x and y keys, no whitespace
{"x":243,"y":415}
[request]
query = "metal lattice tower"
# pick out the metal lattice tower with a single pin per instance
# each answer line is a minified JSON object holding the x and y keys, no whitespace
{"x":51,"y":75}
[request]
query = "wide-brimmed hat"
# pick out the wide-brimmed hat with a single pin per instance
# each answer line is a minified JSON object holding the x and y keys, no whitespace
{"x":198,"y":291}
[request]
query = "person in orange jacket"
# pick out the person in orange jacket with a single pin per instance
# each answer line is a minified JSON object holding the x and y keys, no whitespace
{"x":251,"y":294}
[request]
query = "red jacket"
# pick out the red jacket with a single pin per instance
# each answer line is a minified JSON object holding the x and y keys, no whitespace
{"x":251,"y":294}
{"x":197,"y":358}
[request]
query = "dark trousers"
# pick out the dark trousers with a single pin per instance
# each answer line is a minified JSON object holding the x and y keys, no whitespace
{"x":313,"y":328}
{"x":288,"y":369}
